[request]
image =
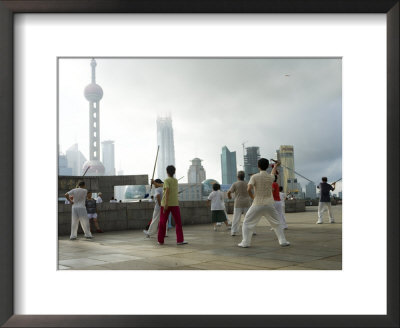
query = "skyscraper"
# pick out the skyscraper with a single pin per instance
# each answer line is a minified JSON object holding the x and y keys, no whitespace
{"x":286,"y":157}
{"x":108,"y":157}
{"x":75,"y":159}
{"x":196,"y":172}
{"x":63,"y":168}
{"x":311,"y":190}
{"x":93,"y":94}
{"x":251,"y":161}
{"x":228,"y":166}
{"x":165,"y":139}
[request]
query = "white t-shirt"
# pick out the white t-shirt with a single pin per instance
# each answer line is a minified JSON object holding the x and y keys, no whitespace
{"x":99,"y":200}
{"x":158,"y":191}
{"x":217,"y":200}
{"x":282,"y":196}
{"x":79,"y":195}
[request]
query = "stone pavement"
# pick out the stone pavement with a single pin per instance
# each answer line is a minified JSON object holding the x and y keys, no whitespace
{"x":313,"y":247}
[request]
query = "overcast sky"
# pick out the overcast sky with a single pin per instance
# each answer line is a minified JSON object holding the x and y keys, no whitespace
{"x":213,"y":102}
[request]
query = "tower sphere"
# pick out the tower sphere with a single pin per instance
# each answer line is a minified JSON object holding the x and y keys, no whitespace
{"x":93,"y":92}
{"x":96,"y":168}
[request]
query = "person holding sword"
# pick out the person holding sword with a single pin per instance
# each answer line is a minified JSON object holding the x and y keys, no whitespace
{"x":325,"y":200}
{"x":170,"y":204}
{"x":263,"y":204}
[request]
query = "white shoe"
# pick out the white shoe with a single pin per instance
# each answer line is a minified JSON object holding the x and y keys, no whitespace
{"x":286,"y":243}
{"x":182,"y":243}
{"x":146,"y":232}
{"x":318,"y":222}
{"x":333,"y":221}
{"x":242,"y":245}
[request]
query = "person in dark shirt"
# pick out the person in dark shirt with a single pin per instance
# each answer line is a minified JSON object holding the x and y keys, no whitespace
{"x":325,"y":200}
{"x":90,"y":204}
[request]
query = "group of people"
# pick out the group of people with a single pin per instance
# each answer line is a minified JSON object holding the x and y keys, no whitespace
{"x":260,"y":197}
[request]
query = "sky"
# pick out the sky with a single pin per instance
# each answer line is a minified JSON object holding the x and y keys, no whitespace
{"x":213,"y":102}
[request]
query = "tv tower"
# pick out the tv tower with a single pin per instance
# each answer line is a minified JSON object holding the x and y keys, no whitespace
{"x":93,"y":94}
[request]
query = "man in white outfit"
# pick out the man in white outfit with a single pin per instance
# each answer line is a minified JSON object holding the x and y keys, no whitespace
{"x":158,"y":193}
{"x":263,"y":204}
{"x":242,"y":201}
{"x":78,"y":211}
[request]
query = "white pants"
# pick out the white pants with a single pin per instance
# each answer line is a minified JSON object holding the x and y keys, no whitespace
{"x":79,"y":214}
{"x":254,"y":215}
{"x":237,"y":213}
{"x":154,"y":221}
{"x":322,"y":207}
{"x":279,"y":208}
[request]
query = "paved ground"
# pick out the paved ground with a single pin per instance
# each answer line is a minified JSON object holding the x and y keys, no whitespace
{"x":313,"y":247}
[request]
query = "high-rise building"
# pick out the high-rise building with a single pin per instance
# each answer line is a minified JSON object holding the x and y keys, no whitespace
{"x":108,"y":154}
{"x":93,"y":94}
{"x":165,"y":139}
{"x":228,"y":166}
{"x":196,"y":172}
{"x":286,"y":157}
{"x":63,"y":168}
{"x":311,"y":190}
{"x":75,"y":160}
{"x":251,"y":161}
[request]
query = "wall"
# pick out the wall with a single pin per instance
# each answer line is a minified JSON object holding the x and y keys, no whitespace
{"x":129,"y":216}
{"x":103,"y":184}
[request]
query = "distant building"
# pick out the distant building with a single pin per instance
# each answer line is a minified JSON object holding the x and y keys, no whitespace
{"x":63,"y":168}
{"x":108,"y":157}
{"x":196,"y":172}
{"x":251,"y":161}
{"x":75,"y":160}
{"x":295,"y":188}
{"x":165,"y":139}
{"x":311,"y":190}
{"x":286,"y":157}
{"x":228,"y":166}
{"x":190,"y":191}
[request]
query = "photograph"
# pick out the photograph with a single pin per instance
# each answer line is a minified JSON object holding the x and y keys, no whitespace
{"x":238,"y":161}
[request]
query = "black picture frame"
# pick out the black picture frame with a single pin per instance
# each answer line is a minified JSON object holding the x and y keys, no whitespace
{"x":10,"y":7}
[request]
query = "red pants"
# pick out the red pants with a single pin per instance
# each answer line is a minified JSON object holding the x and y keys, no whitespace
{"x":176,"y":213}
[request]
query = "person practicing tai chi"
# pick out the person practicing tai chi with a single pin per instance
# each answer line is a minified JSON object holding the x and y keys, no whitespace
{"x":263,"y":204}
{"x":242,"y":201}
{"x":216,"y":198}
{"x":325,"y":200}
{"x":158,"y":192}
{"x":170,"y":204}
{"x":91,"y":210}
{"x":278,"y":203}
{"x":78,"y":211}
{"x":282,"y":196}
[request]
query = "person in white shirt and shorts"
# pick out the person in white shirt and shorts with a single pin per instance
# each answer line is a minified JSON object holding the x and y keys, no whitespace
{"x":216,"y":198}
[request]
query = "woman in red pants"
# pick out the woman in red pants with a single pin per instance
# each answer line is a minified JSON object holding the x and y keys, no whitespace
{"x":170,"y":204}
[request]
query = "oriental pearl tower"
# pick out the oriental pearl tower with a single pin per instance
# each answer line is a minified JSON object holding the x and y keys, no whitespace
{"x":93,"y":94}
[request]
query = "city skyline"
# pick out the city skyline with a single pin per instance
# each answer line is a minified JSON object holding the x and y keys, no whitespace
{"x":210,"y":100}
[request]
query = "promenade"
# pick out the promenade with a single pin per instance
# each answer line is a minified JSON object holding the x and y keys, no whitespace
{"x":313,"y":247}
